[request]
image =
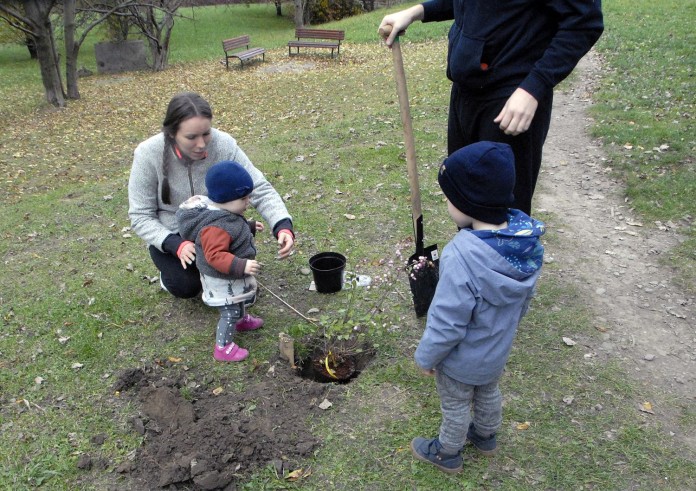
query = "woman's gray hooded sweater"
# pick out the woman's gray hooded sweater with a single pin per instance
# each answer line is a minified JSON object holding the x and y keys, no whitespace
{"x":153,"y":221}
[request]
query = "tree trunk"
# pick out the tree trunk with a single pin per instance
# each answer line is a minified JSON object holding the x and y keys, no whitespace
{"x":159,"y":56}
{"x":307,"y":12}
{"x":157,"y":31}
{"x":299,"y":13}
{"x":159,"y":41}
{"x":31,"y":46}
{"x":71,"y":49}
{"x":168,"y":26}
{"x":38,"y":12}
{"x":278,"y":5}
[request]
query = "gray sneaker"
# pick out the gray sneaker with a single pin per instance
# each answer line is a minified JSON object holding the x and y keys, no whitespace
{"x":486,"y":446}
{"x":430,"y":451}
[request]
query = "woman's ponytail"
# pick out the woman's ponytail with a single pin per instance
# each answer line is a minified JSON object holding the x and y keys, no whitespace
{"x":166,"y":191}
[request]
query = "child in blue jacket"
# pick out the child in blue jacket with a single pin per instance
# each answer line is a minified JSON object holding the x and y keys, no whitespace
{"x":487,"y":277}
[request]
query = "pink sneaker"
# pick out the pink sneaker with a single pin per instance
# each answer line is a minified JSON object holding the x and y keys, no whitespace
{"x":248,"y":323}
{"x":231,"y":352}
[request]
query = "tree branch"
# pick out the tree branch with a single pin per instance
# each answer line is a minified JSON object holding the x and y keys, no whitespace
{"x":16,"y":20}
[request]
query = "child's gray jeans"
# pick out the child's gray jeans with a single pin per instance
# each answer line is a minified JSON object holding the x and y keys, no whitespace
{"x":457,"y":400}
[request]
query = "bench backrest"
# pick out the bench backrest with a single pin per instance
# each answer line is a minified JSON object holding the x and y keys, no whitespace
{"x":234,"y":43}
{"x":319,"y":34}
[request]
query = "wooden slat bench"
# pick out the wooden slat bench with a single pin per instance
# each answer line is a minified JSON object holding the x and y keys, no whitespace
{"x":231,"y":47}
{"x":322,"y":38}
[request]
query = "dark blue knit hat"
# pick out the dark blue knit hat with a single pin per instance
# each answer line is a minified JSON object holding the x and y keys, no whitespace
{"x":479,"y":179}
{"x":228,"y":181}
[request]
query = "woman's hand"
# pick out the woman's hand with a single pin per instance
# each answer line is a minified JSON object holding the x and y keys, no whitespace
{"x":187,"y":253}
{"x":286,"y":242}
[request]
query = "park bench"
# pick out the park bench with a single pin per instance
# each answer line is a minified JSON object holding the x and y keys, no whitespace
{"x":232,"y":47}
{"x":317,"y":38}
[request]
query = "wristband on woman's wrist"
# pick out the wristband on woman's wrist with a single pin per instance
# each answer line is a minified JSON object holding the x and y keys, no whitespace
{"x":287,"y":231}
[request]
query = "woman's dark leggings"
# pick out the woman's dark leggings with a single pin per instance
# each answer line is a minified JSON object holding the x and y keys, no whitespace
{"x":471,"y":121}
{"x":180,"y":282}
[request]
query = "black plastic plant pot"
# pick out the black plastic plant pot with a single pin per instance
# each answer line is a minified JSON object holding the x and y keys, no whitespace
{"x":327,"y":270}
{"x":423,"y":284}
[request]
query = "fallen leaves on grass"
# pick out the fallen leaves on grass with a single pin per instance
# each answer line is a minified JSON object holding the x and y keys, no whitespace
{"x":298,"y":474}
{"x":569,"y":341}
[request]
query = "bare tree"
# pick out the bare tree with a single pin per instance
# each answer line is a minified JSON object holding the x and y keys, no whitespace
{"x":91,"y":14}
{"x":34,"y":19}
{"x":12,"y":35}
{"x":155,"y":20}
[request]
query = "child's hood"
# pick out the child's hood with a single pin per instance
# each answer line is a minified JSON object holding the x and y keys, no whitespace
{"x":502,"y":265}
{"x":196,"y":213}
{"x":519,"y":243}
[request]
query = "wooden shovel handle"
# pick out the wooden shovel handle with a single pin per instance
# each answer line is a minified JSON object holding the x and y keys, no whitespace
{"x":400,"y":75}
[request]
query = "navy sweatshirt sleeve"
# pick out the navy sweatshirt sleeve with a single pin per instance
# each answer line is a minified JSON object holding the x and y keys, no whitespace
{"x":580,"y":24}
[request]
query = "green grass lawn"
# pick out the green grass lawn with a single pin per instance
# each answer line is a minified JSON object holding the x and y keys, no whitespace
{"x":644,"y":110}
{"x":77,"y":305}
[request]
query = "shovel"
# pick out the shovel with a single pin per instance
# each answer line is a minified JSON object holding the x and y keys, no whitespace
{"x":423,"y":264}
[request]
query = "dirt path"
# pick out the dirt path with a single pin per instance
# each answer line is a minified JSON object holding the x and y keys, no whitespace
{"x":613,"y":257}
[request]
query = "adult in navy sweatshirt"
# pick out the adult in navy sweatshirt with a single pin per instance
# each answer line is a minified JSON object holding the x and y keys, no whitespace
{"x":504,"y":59}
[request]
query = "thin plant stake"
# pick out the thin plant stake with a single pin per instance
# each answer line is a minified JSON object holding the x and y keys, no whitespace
{"x":288,"y":305}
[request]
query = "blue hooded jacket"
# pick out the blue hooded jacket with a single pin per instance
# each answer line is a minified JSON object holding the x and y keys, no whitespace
{"x":496,"y":46}
{"x":487,"y":280}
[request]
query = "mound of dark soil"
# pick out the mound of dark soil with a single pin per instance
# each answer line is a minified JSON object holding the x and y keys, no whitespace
{"x":195,"y":439}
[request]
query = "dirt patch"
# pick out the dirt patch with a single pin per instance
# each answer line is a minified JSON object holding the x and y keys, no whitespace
{"x":289,"y":67}
{"x":202,"y":437}
{"x":643,"y":319}
{"x":199,"y":435}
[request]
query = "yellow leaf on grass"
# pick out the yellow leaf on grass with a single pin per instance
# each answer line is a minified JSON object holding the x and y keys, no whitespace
{"x":523,"y":426}
{"x":217,"y":391}
{"x":646,"y":407}
{"x":298,"y":474}
{"x":174,"y":359}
